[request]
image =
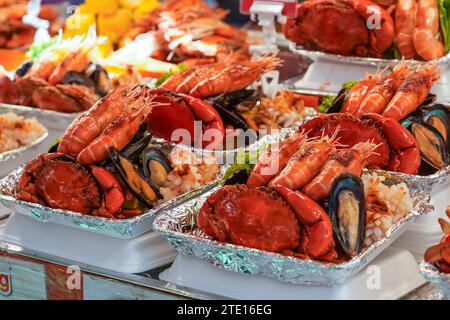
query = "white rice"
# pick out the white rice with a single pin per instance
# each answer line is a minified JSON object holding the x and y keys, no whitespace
{"x":16,"y":131}
{"x":189,"y":173}
{"x":395,"y":200}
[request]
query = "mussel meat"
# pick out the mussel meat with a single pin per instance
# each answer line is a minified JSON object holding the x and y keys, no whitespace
{"x":347,"y":211}
{"x":133,"y":179}
{"x":155,"y":165}
{"x":438,"y":116}
{"x":431,"y":144}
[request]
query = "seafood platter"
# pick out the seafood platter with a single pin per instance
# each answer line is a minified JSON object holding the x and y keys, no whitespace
{"x":342,"y":45}
{"x":200,"y":172}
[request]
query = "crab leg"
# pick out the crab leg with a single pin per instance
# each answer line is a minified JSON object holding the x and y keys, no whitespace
{"x":113,"y":190}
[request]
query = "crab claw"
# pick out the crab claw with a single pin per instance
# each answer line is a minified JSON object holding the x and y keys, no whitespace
{"x":318,"y":240}
{"x":406,"y":158}
{"x":177,"y":111}
{"x":111,"y":186}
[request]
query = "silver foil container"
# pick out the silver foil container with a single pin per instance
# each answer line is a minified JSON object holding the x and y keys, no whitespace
{"x":432,"y":274}
{"x":48,"y":118}
{"x":178,"y":225}
{"x":367,"y":61}
{"x":120,"y":228}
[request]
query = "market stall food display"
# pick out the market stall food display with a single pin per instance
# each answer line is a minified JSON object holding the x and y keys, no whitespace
{"x":146,"y":137}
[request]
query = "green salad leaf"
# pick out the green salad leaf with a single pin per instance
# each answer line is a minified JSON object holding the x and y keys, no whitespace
{"x":245,"y":160}
{"x":444,"y":14}
{"x":167,"y":75}
{"x":328,"y":100}
{"x":36,"y":49}
{"x":350,"y":84}
{"x":326,"y":103}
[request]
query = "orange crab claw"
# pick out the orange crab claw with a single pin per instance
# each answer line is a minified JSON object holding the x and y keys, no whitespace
{"x":318,"y":240}
{"x":114,"y":197}
{"x":407,"y":155}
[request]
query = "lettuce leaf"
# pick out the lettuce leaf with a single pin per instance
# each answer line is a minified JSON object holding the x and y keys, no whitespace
{"x":444,"y":14}
{"x":326,"y":103}
{"x":36,"y":49}
{"x":167,"y":75}
{"x":245,"y":160}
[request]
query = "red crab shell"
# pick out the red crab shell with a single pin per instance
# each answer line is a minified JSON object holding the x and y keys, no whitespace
{"x":350,"y":131}
{"x":328,"y":25}
{"x":55,"y":180}
{"x":255,"y":218}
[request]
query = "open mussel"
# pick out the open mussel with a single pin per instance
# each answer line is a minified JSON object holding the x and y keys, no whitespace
{"x":73,"y":77}
{"x":431,"y":144}
{"x":347,"y":211}
{"x":231,"y":117}
{"x":438,"y":116}
{"x":232,"y":99}
{"x":138,"y":185}
{"x":155,"y":165}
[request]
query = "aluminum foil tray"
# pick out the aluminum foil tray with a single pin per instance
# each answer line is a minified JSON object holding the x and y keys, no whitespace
{"x":126,"y":228}
{"x":441,"y":280}
{"x":50,"y":119}
{"x":178,"y":225}
{"x":367,"y":61}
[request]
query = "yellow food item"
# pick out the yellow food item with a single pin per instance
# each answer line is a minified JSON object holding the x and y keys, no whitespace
{"x":131,"y":4}
{"x":102,"y":6}
{"x":114,"y":25}
{"x":106,"y":48}
{"x":78,"y":23}
{"x":144,"y":8}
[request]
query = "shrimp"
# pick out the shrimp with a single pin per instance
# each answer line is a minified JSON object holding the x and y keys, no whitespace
{"x":220,"y":77}
{"x":274,"y":159}
{"x":90,"y":124}
{"x":379,"y":96}
{"x":75,"y":61}
{"x":426,"y":34}
{"x":412,"y":92}
{"x":305,"y":164}
{"x":340,"y":161}
{"x":405,"y":23}
{"x":356,"y":94}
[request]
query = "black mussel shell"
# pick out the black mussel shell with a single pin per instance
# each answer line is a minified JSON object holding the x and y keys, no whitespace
{"x":429,"y":100}
{"x":338,"y":102}
{"x":231,"y":117}
{"x":23,"y":69}
{"x":431,"y":144}
{"x":73,"y":77}
{"x":230,"y":99}
{"x":54,"y":147}
{"x":438,"y":117}
{"x":100,"y":77}
{"x":239,"y":177}
{"x":347,"y":211}
{"x":155,"y":165}
{"x":142,"y":189}
{"x":134,"y":149}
